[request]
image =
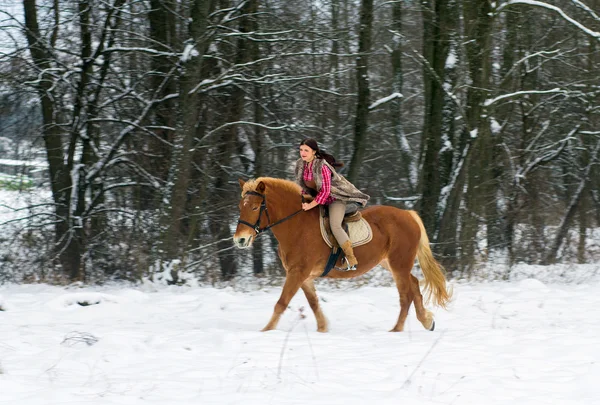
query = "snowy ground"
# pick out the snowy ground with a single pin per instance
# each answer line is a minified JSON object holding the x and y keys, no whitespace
{"x":531,"y":340}
{"x":520,"y":342}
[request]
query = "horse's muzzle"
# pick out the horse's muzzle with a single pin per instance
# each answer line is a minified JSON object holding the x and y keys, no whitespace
{"x":243,"y":242}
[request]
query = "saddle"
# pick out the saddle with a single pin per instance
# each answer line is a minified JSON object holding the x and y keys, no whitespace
{"x":357,"y":228}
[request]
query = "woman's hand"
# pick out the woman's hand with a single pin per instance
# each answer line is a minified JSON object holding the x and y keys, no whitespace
{"x":309,"y":206}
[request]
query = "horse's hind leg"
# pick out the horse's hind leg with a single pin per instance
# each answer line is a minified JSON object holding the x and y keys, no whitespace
{"x":290,"y":288}
{"x":311,"y":295}
{"x":423,"y":315}
{"x":406,"y":296}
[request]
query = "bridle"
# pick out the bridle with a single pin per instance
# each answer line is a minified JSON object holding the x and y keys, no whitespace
{"x":263,"y":208}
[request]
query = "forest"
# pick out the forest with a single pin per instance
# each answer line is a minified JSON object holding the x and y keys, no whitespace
{"x":483,"y":116}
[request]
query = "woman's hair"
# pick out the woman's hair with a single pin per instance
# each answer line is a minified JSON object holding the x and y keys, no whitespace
{"x":311,"y":143}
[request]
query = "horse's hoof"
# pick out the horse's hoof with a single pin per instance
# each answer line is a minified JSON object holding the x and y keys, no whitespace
{"x":432,"y":326}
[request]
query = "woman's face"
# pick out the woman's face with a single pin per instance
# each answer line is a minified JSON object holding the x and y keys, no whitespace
{"x":307,"y":153}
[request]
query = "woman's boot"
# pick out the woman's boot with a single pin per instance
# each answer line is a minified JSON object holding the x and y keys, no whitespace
{"x":349,"y":252}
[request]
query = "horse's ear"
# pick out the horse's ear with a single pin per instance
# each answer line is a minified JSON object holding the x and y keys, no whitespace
{"x":242,"y":182}
{"x":260,"y":187}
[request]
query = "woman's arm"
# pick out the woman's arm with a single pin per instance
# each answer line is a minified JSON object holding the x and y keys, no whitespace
{"x":324,"y":192}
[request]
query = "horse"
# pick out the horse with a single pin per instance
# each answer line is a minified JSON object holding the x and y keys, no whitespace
{"x":398,"y":238}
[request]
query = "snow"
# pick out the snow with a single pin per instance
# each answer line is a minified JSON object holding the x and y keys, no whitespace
{"x":188,"y":53}
{"x":524,"y":93}
{"x":525,"y":341}
{"x":13,"y":162}
{"x":495,"y":126}
{"x":384,"y":100}
{"x":452,"y":59}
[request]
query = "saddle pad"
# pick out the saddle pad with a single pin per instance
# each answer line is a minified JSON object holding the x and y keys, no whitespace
{"x":360,"y":232}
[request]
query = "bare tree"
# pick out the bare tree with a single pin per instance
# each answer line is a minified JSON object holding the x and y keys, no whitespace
{"x":362,"y":80}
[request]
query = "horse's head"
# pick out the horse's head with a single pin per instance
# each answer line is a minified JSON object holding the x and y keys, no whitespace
{"x":252,"y":215}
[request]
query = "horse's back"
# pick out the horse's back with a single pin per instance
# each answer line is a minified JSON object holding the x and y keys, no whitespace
{"x":389,"y":212}
{"x":394,"y":223}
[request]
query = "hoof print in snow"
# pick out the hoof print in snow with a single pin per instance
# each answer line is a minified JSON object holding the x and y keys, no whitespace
{"x":83,"y":300}
{"x":79,"y":338}
{"x":87,"y":303}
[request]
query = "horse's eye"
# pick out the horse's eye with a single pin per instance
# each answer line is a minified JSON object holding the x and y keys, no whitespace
{"x":255,"y":208}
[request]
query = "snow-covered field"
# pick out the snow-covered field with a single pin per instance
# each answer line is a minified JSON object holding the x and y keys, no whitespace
{"x":520,"y":342}
{"x":532,"y":340}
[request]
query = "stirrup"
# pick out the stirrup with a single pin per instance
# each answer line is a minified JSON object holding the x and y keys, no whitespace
{"x":348,"y":267}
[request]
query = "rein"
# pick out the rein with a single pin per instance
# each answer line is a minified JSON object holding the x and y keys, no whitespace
{"x":263,"y":208}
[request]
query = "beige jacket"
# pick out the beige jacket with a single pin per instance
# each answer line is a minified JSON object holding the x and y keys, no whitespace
{"x":341,"y":188}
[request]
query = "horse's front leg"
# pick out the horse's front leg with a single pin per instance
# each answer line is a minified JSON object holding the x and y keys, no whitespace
{"x":311,"y":295}
{"x":293,"y":281}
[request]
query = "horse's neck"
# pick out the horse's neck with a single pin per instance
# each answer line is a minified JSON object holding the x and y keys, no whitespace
{"x":284,"y":204}
{"x":289,"y":232}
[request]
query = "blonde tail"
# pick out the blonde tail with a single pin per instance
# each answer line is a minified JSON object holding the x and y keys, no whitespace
{"x":435,"y":280}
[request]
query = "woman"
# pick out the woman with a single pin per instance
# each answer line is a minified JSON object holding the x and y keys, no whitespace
{"x":315,"y":173}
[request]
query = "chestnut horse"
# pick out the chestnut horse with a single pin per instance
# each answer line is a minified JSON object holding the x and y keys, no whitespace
{"x":398,"y":238}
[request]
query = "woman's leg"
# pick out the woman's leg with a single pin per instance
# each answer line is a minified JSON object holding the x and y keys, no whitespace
{"x":337,"y":209}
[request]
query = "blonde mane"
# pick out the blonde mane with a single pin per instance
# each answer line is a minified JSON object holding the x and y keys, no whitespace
{"x":284,"y":185}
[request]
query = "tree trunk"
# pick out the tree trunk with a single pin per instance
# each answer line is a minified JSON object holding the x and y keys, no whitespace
{"x":407,"y":168}
{"x":251,"y":25}
{"x":219,"y":220}
{"x":189,"y":107}
{"x":67,"y":243}
{"x":257,"y":247}
{"x":583,"y":220}
{"x":334,"y":63}
{"x":480,"y":201}
{"x":510,"y":53}
{"x":362,"y":80}
{"x":163,"y":32}
{"x":435,"y":51}
{"x":452,"y":154}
